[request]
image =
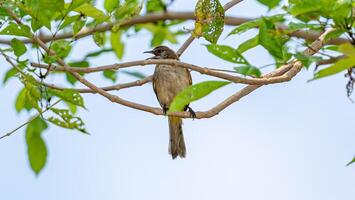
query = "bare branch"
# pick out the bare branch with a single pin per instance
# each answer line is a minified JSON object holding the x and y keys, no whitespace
{"x":107,"y":88}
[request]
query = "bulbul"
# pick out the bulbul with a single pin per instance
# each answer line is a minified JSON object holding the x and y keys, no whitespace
{"x":168,"y":81}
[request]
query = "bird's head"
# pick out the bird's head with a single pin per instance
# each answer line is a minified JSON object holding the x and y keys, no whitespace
{"x":162,"y":52}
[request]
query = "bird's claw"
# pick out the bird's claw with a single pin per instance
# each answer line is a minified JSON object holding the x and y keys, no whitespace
{"x":192,"y":112}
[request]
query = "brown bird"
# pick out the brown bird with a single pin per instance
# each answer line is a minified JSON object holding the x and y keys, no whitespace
{"x":168,"y":81}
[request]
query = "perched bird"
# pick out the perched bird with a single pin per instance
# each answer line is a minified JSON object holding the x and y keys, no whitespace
{"x":168,"y":81}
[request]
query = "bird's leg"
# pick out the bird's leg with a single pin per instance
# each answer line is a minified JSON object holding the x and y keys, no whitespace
{"x":192,"y":112}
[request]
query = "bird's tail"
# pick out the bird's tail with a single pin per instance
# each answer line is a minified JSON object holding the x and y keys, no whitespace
{"x":177,"y":143}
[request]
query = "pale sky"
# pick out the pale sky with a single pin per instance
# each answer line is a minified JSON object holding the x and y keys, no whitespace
{"x":286,"y":141}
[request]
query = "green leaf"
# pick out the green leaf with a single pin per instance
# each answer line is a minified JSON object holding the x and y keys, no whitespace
{"x":270,"y":3}
{"x":36,"y":147}
{"x":155,"y":6}
{"x":351,"y":162}
{"x":32,"y":91}
{"x":209,"y":20}
{"x":117,"y":44}
{"x":21,"y":101}
{"x":69,"y":95}
{"x":90,"y":11}
{"x":245,"y":27}
{"x":194,"y":93}
{"x":337,"y":67}
{"x":340,"y":65}
{"x":73,"y":108}
{"x":249,"y":44}
{"x":348,"y":49}
{"x":99,"y":38}
{"x":127,"y":10}
{"x":18,"y":47}
{"x":248,"y":71}
{"x":16,"y":30}
{"x":227,"y":53}
{"x":255,"y":23}
{"x":67,"y":120}
{"x":13,"y":71}
{"x":62,"y":48}
{"x":78,"y":25}
{"x":110,"y":5}
{"x":306,"y":60}
{"x":110,"y":75}
{"x":42,"y":11}
{"x":9,"y":74}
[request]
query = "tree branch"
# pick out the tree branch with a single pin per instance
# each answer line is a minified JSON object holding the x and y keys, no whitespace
{"x":154,"y":17}
{"x":293,"y":68}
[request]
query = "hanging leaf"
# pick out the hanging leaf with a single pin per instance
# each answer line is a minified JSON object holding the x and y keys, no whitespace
{"x":117,"y":43}
{"x":22,"y":102}
{"x":209,"y":20}
{"x":36,"y":147}
{"x":99,"y":38}
{"x":194,"y":93}
{"x":18,"y":47}
{"x":67,"y":120}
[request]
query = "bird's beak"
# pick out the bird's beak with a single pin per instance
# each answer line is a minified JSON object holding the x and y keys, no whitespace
{"x":148,"y":51}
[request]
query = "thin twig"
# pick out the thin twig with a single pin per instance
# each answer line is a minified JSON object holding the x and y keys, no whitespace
{"x":30,"y":120}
